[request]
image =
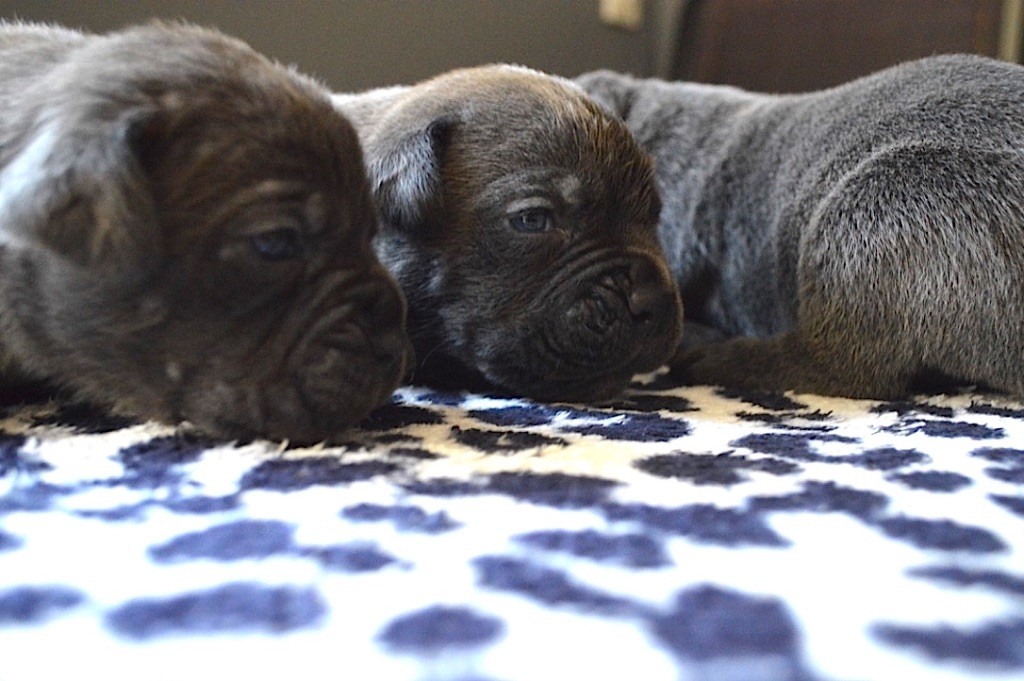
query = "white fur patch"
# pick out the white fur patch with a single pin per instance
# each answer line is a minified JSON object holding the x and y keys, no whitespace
{"x":173,"y":371}
{"x":22,"y":178}
{"x":343,"y":100}
{"x":570,"y":187}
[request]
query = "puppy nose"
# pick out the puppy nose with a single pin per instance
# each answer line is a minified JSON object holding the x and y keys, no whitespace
{"x":650,"y":295}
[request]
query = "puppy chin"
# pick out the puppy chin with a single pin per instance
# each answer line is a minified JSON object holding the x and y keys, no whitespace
{"x":302,"y":412}
{"x":517,"y":372}
{"x":586,"y":349}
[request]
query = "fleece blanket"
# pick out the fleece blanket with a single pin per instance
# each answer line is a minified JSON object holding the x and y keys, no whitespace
{"x":677,"y":533}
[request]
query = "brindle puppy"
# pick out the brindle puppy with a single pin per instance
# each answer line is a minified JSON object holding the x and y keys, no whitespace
{"x":866,"y":240}
{"x":185,"y":233}
{"x":519,"y":220}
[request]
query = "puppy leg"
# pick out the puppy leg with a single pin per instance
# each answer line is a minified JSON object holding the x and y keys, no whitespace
{"x":912,"y":265}
{"x":780,"y":363}
{"x":696,"y":334}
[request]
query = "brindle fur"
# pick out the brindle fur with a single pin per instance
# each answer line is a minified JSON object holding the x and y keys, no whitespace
{"x":571,"y":312}
{"x":138,"y":173}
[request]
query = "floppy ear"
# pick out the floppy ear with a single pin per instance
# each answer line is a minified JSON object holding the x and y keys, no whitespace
{"x":406,"y":173}
{"x":76,"y":189}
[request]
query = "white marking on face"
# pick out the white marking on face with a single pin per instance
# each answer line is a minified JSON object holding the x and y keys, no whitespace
{"x":527,"y":204}
{"x":173,"y":371}
{"x":436,"y":283}
{"x":172,"y":101}
{"x":316,"y":210}
{"x":570,"y":186}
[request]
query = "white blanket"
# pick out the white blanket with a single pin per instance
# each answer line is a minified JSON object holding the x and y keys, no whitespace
{"x":682,"y":533}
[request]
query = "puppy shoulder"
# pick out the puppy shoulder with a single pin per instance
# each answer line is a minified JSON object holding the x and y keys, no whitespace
{"x":615,"y":91}
{"x":948,"y":75}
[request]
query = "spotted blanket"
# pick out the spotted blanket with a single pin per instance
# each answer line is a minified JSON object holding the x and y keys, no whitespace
{"x":679,"y":533}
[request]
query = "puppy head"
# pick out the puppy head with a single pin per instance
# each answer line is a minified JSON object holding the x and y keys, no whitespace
{"x":520,"y":220}
{"x":187,"y":234}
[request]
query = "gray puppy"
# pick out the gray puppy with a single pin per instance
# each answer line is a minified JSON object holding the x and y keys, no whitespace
{"x":520,"y":220}
{"x":185,"y":233}
{"x":865,"y":240}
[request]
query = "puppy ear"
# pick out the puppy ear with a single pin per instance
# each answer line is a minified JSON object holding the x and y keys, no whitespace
{"x":407,"y":174}
{"x":76,"y":189}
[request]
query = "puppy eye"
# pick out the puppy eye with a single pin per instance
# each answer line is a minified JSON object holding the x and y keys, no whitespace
{"x":532,"y":220}
{"x":283,"y":243}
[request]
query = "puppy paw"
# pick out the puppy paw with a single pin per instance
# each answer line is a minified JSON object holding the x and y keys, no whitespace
{"x":740,"y":363}
{"x":685,"y":366}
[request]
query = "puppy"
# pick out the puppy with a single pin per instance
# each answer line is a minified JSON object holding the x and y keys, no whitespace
{"x":520,"y":221}
{"x":185,"y":233}
{"x":863,"y":241}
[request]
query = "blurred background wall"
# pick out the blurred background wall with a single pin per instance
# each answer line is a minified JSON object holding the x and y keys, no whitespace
{"x":358,"y":44}
{"x":796,"y":45}
{"x":768,"y":45}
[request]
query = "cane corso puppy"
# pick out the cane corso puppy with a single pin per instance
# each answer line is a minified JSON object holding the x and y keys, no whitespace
{"x":520,"y":220}
{"x":866,"y":240}
{"x":185,"y":233}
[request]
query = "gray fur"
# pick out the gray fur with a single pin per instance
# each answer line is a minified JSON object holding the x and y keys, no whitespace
{"x":570,"y":312}
{"x":854,"y":241}
{"x":142,"y":174}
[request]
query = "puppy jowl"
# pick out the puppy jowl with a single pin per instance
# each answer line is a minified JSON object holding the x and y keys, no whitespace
{"x":185,"y":234}
{"x":520,"y":221}
{"x":865,"y":241}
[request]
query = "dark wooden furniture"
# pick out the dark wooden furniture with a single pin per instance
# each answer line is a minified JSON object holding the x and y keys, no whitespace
{"x":799,"y":45}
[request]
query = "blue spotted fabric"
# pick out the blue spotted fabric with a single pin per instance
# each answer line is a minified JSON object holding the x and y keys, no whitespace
{"x":676,"y":533}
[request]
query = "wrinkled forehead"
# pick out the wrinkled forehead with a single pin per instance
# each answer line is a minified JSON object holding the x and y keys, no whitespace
{"x":220,"y":158}
{"x":556,"y":136}
{"x":296,"y":136}
{"x":534,"y":120}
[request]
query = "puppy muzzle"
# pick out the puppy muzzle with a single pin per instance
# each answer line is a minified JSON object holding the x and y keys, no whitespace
{"x":618,"y":319}
{"x":350,"y":362}
{"x":626,"y":317}
{"x":351,"y":354}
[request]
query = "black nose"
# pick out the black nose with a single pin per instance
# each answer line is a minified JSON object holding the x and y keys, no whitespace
{"x":651,"y":296}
